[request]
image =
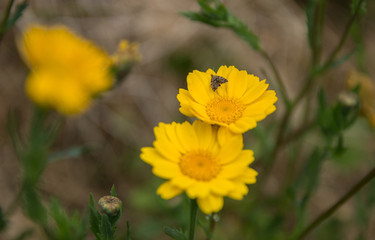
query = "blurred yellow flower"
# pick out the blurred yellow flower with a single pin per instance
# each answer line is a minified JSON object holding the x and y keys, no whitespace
{"x":66,"y":71}
{"x":205,"y":161}
{"x":366,"y":93}
{"x":229,"y":98}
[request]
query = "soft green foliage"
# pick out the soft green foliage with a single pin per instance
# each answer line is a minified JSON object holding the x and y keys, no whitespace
{"x":214,"y":13}
{"x":16,"y":15}
{"x":67,"y":227}
{"x":176,"y":234}
{"x":103,"y":225}
{"x":336,"y":119}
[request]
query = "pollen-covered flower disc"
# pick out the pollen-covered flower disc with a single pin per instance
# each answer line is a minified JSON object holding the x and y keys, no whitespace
{"x":229,"y":98}
{"x":207,"y":162}
{"x":67,"y":71}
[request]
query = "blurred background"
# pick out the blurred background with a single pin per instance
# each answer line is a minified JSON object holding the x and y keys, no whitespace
{"x":122,"y":121}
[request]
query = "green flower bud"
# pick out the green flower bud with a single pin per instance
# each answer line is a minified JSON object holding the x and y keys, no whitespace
{"x":110,"y":205}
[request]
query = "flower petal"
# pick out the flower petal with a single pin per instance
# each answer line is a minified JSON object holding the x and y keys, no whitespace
{"x":230,"y":150}
{"x":198,"y":189}
{"x":167,"y":190}
{"x":211,"y":203}
{"x":199,"y":86}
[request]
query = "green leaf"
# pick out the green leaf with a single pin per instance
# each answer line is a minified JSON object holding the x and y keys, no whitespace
{"x":73,"y":152}
{"x":128,"y":231}
{"x":215,"y":13}
{"x":106,"y":230}
{"x":174,"y":233}
{"x":33,"y":206}
{"x":113,"y":191}
{"x":16,"y":15}
{"x":95,"y":218}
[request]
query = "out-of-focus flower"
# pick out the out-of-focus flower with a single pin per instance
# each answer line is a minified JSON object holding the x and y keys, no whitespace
{"x":67,"y":71}
{"x":124,"y":58}
{"x":229,"y":98}
{"x":207,"y":162}
{"x":366,"y":93}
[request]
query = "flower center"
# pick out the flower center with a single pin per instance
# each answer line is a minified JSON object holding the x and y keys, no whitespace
{"x":224,"y":110}
{"x":199,"y":165}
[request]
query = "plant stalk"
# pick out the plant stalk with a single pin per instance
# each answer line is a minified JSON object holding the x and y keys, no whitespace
{"x":338,"y":204}
{"x":193,"y":218}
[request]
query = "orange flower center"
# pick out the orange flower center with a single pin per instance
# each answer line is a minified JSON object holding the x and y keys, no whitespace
{"x":200,"y":165}
{"x":224,"y":110}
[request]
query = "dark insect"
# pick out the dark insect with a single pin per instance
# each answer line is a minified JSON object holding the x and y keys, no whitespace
{"x":216,"y":81}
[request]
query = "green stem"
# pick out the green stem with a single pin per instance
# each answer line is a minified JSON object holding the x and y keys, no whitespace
{"x":344,"y":36}
{"x":5,"y":19}
{"x":338,"y":204}
{"x":193,"y":218}
{"x":279,"y":81}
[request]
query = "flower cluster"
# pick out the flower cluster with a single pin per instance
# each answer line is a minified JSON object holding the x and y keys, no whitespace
{"x":206,"y":159}
{"x":66,"y":70}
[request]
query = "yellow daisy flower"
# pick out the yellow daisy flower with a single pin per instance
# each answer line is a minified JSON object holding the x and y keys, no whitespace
{"x":205,"y":161}
{"x":229,"y":98}
{"x":66,"y":70}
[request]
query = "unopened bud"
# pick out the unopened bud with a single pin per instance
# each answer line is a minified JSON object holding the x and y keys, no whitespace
{"x":110,"y":205}
{"x":348,"y":99}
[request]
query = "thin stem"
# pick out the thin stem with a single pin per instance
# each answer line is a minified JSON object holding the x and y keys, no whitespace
{"x":193,"y":218}
{"x":338,"y":204}
{"x":279,"y":81}
{"x":278,"y":143}
{"x":212,"y":224}
{"x":299,"y":132}
{"x":5,"y":19}
{"x":343,"y":37}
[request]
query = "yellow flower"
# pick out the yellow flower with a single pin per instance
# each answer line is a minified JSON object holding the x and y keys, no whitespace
{"x":205,"y":161}
{"x":229,"y":98}
{"x":366,"y":93}
{"x":66,"y":70}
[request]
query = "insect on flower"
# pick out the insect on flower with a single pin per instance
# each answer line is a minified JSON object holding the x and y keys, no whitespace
{"x":216,"y":81}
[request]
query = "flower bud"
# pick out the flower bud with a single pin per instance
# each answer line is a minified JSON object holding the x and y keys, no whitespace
{"x":110,"y":205}
{"x":124,"y":58}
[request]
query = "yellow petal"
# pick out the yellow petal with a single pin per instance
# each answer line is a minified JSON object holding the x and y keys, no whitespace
{"x":187,"y":136}
{"x":239,"y":191}
{"x":221,"y":186}
{"x":254,"y":92}
{"x":168,"y":190}
{"x":182,"y":181}
{"x":205,"y":134}
{"x":210,"y":204}
{"x":198,"y":189}
{"x":237,"y":83}
{"x":231,"y":150}
{"x":237,"y":167}
{"x":165,"y":169}
{"x":242,"y":125}
{"x":199,"y":86}
{"x":150,"y":155}
{"x":165,"y":147}
{"x":225,"y":134}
